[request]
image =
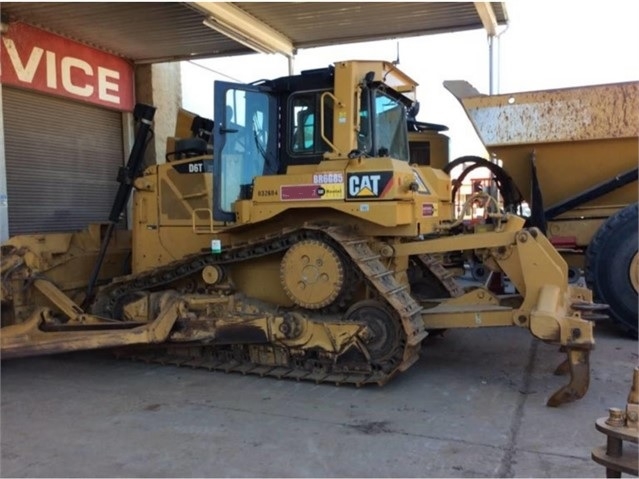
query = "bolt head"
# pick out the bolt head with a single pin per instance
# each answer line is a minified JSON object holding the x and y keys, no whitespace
{"x":616,"y":417}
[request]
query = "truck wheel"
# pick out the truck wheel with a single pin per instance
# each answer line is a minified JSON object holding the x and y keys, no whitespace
{"x":479,"y":272}
{"x":612,"y":267}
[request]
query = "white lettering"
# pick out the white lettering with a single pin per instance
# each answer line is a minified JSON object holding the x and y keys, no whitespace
{"x":375,"y":183}
{"x":104,"y":85}
{"x":66,"y":65}
{"x":353,"y":185}
{"x":364,"y":185}
{"x":195,"y":167}
{"x":52,"y":80}
{"x":25,"y":73}
{"x":328,"y":178}
{"x":106,"y":82}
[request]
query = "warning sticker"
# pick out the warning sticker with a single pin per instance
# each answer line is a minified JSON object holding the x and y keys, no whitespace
{"x":429,"y":209}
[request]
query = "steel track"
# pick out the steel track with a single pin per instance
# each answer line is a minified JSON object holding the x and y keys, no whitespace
{"x":246,"y":359}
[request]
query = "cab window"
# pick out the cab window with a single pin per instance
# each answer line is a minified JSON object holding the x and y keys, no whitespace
{"x":304,"y":127}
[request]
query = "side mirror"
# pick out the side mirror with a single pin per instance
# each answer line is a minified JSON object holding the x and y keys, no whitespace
{"x":368,"y":78}
{"x":413,"y":110}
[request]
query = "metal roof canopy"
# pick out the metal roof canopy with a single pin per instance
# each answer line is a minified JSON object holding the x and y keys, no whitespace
{"x":156,"y":32}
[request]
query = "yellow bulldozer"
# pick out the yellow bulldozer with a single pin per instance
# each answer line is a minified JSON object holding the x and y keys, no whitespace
{"x":290,"y":237}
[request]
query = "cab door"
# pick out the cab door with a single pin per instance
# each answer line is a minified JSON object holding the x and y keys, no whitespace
{"x":244,"y":143}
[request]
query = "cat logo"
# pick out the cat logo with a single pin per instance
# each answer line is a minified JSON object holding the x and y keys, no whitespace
{"x":369,"y":185}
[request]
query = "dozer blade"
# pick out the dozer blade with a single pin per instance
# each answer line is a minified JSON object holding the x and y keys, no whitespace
{"x":578,"y":363}
{"x":39,"y":335}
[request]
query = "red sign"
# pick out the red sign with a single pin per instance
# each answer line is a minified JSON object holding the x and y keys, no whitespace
{"x":38,"y":60}
{"x":301,"y":192}
{"x":428,"y":209}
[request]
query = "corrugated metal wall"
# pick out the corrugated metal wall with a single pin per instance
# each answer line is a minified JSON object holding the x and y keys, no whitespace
{"x":62,"y":160}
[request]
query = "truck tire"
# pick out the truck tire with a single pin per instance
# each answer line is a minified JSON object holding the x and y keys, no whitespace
{"x":612,"y":267}
{"x":479,"y":272}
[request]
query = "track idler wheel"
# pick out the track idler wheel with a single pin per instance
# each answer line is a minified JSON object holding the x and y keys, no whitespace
{"x":312,"y":274}
{"x":384,"y":340}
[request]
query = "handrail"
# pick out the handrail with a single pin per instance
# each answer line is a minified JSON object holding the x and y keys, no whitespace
{"x":336,"y":100}
{"x":197,"y":230}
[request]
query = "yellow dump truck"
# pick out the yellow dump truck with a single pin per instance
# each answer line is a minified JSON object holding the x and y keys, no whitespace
{"x":573,"y":154}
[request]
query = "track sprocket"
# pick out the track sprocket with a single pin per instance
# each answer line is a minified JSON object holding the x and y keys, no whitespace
{"x":312,"y":274}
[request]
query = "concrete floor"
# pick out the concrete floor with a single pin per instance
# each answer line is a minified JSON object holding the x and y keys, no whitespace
{"x":473,"y":406}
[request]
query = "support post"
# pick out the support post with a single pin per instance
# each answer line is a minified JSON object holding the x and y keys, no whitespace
{"x":493,"y":64}
{"x":291,"y":65}
{"x":4,"y":196}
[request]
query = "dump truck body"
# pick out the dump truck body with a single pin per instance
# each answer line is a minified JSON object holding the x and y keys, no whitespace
{"x":573,"y":153}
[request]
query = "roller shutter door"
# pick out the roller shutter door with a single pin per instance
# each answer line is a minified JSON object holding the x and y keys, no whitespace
{"x":62,"y":158}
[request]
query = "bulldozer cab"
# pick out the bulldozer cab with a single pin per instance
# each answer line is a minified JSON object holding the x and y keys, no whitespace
{"x":298,"y":120}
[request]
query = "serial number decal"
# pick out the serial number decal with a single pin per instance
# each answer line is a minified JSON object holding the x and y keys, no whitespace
{"x":266,"y":193}
{"x":328,"y":177}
